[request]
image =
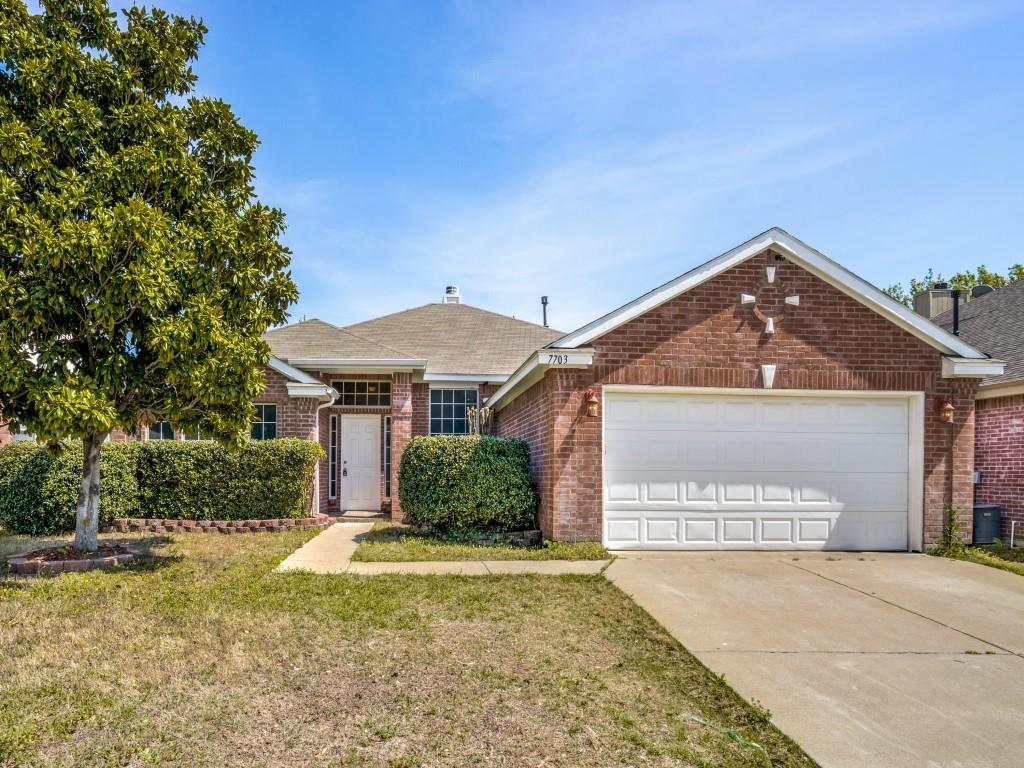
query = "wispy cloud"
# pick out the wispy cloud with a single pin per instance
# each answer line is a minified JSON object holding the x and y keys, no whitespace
{"x":590,"y":229}
{"x":634,"y":128}
{"x":548,"y":65}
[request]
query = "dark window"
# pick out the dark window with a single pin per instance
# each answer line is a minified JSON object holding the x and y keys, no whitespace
{"x":387,"y":457}
{"x":448,"y":411}
{"x":265,"y":425}
{"x":332,"y":461}
{"x":161,"y":430}
{"x":364,"y":394}
{"x":195,"y":434}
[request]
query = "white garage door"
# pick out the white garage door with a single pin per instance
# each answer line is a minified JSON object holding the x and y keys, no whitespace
{"x":696,"y":471}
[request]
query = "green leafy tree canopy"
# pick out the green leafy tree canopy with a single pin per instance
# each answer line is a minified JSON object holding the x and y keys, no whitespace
{"x":137,"y":268}
{"x":962,"y":280}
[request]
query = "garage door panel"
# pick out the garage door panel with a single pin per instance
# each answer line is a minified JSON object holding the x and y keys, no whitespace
{"x":630,"y":490}
{"x":703,"y":471}
{"x":709,"y":449}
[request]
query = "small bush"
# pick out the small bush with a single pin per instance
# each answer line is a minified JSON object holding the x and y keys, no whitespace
{"x":465,"y":484}
{"x":951,"y":544}
{"x":175,"y":480}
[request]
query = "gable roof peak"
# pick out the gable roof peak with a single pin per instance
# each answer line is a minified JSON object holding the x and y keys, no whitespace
{"x":799,"y":253}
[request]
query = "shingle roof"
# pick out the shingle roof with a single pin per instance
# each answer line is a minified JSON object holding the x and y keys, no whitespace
{"x":458,"y":338}
{"x":452,"y":338}
{"x":994,"y":323}
{"x":317,"y":339}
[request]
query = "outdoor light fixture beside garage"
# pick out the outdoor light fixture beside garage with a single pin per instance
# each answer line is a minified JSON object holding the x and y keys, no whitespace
{"x":592,"y":403}
{"x":946,"y":412}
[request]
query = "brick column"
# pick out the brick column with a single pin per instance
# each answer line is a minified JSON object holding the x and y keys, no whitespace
{"x":401,"y":432}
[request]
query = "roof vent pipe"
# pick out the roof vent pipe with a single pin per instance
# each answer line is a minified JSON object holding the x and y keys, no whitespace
{"x":955,"y":295}
{"x":544,"y":309}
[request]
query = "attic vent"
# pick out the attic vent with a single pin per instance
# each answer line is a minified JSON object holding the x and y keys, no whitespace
{"x":452,"y":295}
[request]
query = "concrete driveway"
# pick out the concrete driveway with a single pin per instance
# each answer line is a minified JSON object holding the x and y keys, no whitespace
{"x":865,"y":660}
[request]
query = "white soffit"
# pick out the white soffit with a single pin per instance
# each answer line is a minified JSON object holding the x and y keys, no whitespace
{"x":799,"y":253}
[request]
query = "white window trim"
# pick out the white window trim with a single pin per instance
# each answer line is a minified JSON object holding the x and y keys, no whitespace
{"x":274,"y":422}
{"x":440,"y":387}
{"x":336,"y":385}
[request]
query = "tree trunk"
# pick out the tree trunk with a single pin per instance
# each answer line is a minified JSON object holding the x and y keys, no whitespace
{"x":88,"y":516}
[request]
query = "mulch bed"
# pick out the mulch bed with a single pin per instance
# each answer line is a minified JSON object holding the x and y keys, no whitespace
{"x":69,"y":558}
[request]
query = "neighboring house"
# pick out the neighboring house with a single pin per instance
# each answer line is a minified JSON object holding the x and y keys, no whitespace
{"x":994,"y":322}
{"x":766,"y":399}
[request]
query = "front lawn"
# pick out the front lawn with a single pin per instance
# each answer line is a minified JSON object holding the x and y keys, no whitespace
{"x":200,"y":656}
{"x":397,"y":543}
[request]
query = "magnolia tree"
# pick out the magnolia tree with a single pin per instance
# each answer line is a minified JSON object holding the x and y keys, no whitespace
{"x":137,"y":268}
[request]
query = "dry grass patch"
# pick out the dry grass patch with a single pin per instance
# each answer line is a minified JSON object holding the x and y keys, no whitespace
{"x":200,"y":656}
{"x":397,"y":543}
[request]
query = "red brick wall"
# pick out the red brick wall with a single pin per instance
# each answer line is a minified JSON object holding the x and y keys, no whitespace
{"x":705,"y":337}
{"x":420,"y":409}
{"x":999,"y":456}
{"x":528,"y":418}
{"x":401,"y":432}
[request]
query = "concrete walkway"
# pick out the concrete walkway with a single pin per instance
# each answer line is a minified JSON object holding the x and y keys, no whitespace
{"x":865,"y":660}
{"x":332,"y":550}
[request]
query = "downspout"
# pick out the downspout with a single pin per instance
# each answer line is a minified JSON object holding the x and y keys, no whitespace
{"x":332,"y":399}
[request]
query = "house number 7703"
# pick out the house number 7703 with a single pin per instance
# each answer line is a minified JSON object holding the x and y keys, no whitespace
{"x":558,"y":359}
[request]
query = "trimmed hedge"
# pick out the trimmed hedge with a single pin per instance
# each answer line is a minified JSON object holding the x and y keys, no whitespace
{"x":39,"y":485}
{"x":466,"y":484}
{"x":191,"y":480}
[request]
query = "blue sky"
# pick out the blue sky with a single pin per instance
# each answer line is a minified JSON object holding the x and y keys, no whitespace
{"x":590,"y":151}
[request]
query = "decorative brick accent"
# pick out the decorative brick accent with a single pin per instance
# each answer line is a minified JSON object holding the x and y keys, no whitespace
{"x":706,"y":338}
{"x":999,"y":456}
{"x":159,"y":525}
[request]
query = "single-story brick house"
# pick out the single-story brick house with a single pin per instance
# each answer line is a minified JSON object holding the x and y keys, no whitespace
{"x":994,"y":322}
{"x":767,"y":399}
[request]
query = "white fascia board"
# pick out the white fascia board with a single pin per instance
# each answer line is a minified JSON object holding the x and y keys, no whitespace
{"x":971,"y":368}
{"x":533,"y":370}
{"x":1004,"y":389}
{"x":291,"y":371}
{"x":321,"y":391}
{"x":470,"y":378}
{"x":350,"y":363}
{"x":801,"y":254}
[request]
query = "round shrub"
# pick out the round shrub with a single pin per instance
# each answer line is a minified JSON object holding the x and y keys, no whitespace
{"x":465,"y":484}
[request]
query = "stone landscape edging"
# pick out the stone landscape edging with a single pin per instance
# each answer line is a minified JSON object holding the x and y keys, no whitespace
{"x":163,"y":525}
{"x":22,"y":565}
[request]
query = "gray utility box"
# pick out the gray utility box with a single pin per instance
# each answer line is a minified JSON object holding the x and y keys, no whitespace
{"x":987,"y":519}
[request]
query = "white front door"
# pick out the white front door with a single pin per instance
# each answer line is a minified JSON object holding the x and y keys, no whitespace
{"x":360,"y":463}
{"x":756,"y":471}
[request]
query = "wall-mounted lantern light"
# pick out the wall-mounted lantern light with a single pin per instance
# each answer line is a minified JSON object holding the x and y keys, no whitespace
{"x":592,"y":403}
{"x":946,"y":412}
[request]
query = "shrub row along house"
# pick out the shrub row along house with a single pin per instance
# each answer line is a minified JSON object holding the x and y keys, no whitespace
{"x":766,"y":399}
